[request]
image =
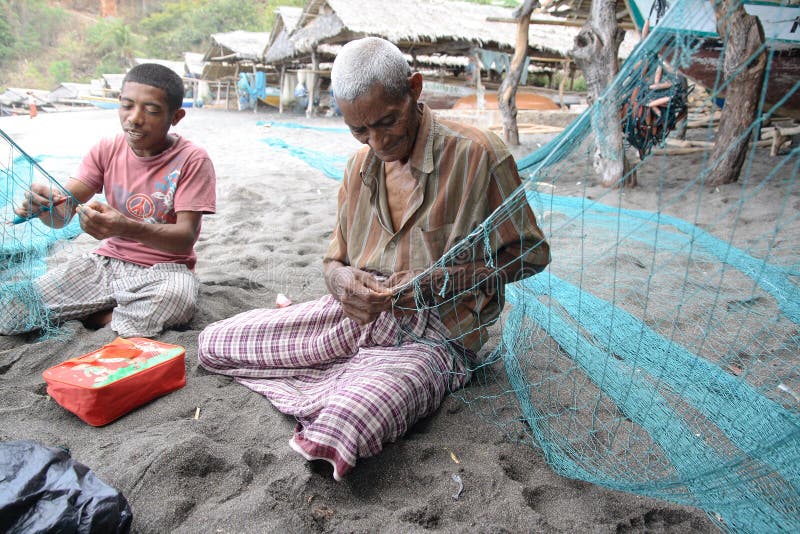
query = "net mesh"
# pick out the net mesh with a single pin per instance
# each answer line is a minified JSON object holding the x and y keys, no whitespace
{"x":658,"y":353}
{"x":25,"y":245}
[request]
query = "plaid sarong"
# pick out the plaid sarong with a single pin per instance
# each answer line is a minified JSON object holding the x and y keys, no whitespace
{"x":352,"y":388}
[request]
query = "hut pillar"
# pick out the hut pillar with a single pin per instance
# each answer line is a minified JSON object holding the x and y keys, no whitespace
{"x":596,"y":54}
{"x":507,"y":93}
{"x":746,"y":60}
{"x":311,"y":82}
{"x":280,"y":85}
{"x":480,"y":101}
{"x":565,"y":72}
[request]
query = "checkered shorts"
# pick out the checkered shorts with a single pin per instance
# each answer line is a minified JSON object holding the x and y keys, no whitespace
{"x":145,"y":300}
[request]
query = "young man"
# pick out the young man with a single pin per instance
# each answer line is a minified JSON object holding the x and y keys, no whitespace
{"x":359,"y":366}
{"x":157,"y":187}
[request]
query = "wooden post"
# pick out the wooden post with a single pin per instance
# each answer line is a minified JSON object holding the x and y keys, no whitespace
{"x":280,"y":86}
{"x":743,"y":36}
{"x":507,"y":93}
{"x":480,"y":102}
{"x":562,"y":83}
{"x":596,"y":53}
{"x":255,"y":104}
{"x":311,"y":82}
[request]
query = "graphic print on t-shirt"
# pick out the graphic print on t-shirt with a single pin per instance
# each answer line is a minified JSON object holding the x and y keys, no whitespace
{"x":156,"y":208}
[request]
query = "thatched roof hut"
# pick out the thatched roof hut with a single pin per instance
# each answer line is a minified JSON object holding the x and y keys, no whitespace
{"x":418,"y":27}
{"x":68,"y":92}
{"x":232,"y":51}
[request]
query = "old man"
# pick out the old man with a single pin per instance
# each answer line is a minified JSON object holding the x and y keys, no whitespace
{"x":360,"y":365}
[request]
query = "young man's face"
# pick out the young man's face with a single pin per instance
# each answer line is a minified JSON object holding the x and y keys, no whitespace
{"x":145,"y":118}
{"x":388,"y":125}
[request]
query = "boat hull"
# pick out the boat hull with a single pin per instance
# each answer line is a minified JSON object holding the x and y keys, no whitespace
{"x":782,"y":37}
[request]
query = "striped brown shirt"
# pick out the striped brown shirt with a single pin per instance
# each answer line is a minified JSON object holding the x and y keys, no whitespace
{"x":463,"y":174}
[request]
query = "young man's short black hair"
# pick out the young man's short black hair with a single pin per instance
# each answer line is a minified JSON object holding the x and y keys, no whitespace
{"x":159,"y":76}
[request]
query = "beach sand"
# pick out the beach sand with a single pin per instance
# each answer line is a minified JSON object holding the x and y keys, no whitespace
{"x":230,"y":470}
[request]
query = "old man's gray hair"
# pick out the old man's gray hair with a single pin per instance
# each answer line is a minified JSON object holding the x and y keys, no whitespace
{"x":362,"y":63}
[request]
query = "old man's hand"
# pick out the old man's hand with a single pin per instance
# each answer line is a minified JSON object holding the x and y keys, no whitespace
{"x":362,"y":296}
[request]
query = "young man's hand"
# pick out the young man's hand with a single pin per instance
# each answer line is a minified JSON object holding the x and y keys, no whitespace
{"x":39,"y":199}
{"x":101,"y":221}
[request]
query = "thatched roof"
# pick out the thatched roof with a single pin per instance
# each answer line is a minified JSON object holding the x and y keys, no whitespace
{"x":69,"y":91}
{"x":426,"y":27}
{"x":237,"y":46}
{"x":279,"y":45}
{"x":286,"y":18}
{"x":232,"y":50}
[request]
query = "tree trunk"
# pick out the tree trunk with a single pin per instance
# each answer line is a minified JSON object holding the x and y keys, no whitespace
{"x":596,"y":53}
{"x":507,"y":93}
{"x":742,"y":36}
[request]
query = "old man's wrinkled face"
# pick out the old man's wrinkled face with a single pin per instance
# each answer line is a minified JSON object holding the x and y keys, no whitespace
{"x":388,"y":125}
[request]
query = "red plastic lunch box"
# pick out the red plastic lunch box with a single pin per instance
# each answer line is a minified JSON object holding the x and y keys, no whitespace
{"x":104,"y":385}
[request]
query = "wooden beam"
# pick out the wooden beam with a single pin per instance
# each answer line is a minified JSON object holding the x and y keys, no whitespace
{"x":536,"y":59}
{"x":564,"y":22}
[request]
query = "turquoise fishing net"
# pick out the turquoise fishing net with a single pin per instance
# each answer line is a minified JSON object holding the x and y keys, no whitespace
{"x":659,"y":353}
{"x":25,"y":246}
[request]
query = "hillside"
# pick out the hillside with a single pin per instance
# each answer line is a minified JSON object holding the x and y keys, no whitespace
{"x":44,"y":43}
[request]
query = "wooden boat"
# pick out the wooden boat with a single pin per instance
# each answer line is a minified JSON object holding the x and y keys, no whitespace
{"x":101,"y":102}
{"x":523,"y":101}
{"x":272,"y":97}
{"x":781,"y":25}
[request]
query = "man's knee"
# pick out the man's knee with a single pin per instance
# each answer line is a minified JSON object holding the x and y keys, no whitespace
{"x":181,"y":303}
{"x":206,"y":348}
{"x":16,"y":318}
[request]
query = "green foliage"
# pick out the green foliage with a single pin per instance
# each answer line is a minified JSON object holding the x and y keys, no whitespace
{"x":34,"y":76}
{"x":7,"y":39}
{"x":183,"y":25}
{"x":113,"y":44}
{"x":580,"y":84}
{"x":61,"y":70}
{"x":33,"y":24}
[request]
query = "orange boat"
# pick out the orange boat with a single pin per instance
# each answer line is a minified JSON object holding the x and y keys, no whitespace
{"x":523,"y":100}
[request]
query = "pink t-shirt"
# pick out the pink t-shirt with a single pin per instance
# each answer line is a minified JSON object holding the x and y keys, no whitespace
{"x":150,"y":190}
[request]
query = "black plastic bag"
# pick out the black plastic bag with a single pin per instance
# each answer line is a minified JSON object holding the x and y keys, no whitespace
{"x":43,"y":490}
